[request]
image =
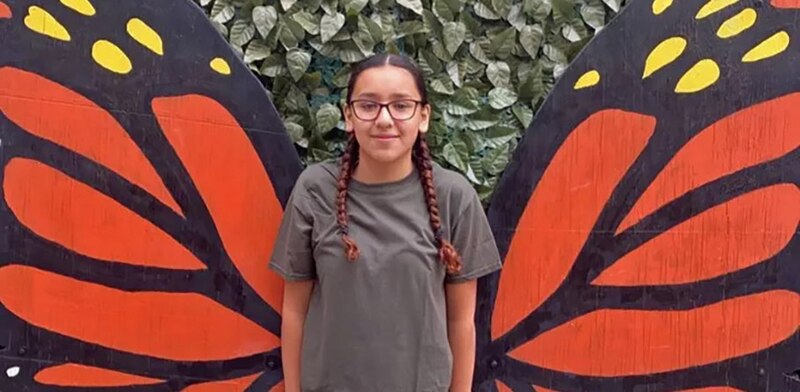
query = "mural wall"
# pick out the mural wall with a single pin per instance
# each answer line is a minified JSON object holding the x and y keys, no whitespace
{"x":144,"y":170}
{"x":648,"y":219}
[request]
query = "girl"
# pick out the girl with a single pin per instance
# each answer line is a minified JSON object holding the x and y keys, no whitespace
{"x":380,"y":252}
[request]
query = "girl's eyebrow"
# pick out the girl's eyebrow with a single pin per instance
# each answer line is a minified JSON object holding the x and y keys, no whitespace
{"x":393,"y":95}
{"x":367,"y":95}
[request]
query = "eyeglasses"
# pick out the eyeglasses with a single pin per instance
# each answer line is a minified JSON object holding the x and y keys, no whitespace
{"x":400,"y":110}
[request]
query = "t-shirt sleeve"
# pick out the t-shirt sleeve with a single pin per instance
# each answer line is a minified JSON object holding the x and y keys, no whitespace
{"x":292,"y":254}
{"x":473,"y":239}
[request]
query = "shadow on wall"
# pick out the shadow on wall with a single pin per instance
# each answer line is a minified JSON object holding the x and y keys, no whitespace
{"x":648,"y":219}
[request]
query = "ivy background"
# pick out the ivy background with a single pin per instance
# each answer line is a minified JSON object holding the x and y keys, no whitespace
{"x":489,"y":64}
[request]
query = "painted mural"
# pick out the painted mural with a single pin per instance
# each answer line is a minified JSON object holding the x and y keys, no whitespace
{"x":648,"y":220}
{"x":144,"y":172}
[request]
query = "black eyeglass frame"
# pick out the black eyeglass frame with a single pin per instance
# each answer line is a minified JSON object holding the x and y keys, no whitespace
{"x":385,"y":105}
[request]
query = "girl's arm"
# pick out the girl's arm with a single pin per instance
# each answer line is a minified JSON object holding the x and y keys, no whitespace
{"x":461,"y":332}
{"x":295,"y":305}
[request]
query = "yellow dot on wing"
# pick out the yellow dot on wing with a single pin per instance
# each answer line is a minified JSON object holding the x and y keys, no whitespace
{"x":83,"y":7}
{"x":145,"y":35}
{"x":699,"y":77}
{"x":220,"y":65}
{"x":660,"y":6}
{"x":588,"y":79}
{"x":771,"y":46}
{"x":111,"y":57}
{"x":737,"y":23}
{"x":663,"y":54}
{"x":40,"y":21}
{"x":713,"y":6}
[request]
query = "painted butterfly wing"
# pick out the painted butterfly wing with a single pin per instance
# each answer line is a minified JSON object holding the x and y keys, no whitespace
{"x":144,"y":173}
{"x":648,"y":219}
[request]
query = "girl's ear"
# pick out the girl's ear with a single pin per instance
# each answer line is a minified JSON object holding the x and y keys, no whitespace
{"x":425,"y":118}
{"x":348,"y":118}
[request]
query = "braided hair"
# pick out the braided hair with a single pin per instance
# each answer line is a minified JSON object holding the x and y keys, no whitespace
{"x":421,"y":157}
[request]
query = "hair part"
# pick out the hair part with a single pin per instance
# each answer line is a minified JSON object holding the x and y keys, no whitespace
{"x":384,"y":59}
{"x":421,"y":158}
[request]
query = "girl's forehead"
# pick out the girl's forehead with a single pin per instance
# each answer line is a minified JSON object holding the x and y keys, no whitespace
{"x":386,"y":82}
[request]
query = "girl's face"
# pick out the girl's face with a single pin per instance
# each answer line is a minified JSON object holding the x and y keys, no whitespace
{"x":386,"y":134}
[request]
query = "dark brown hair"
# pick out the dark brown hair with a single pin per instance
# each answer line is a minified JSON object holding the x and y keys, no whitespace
{"x":421,"y":157}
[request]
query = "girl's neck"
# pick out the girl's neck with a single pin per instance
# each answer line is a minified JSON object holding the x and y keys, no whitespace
{"x":369,"y":171}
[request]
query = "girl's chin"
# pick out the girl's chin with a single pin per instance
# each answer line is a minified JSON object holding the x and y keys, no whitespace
{"x":385,"y":155}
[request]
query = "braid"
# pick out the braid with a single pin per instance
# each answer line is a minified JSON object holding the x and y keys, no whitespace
{"x":447,"y":253}
{"x":350,"y":154}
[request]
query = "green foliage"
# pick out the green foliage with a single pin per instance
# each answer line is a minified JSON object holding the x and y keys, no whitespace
{"x":489,"y":64}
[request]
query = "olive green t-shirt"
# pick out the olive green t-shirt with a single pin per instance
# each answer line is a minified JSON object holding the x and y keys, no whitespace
{"x":379,"y":323}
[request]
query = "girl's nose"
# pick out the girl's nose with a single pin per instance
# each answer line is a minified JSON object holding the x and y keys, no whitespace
{"x":384,"y":118}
